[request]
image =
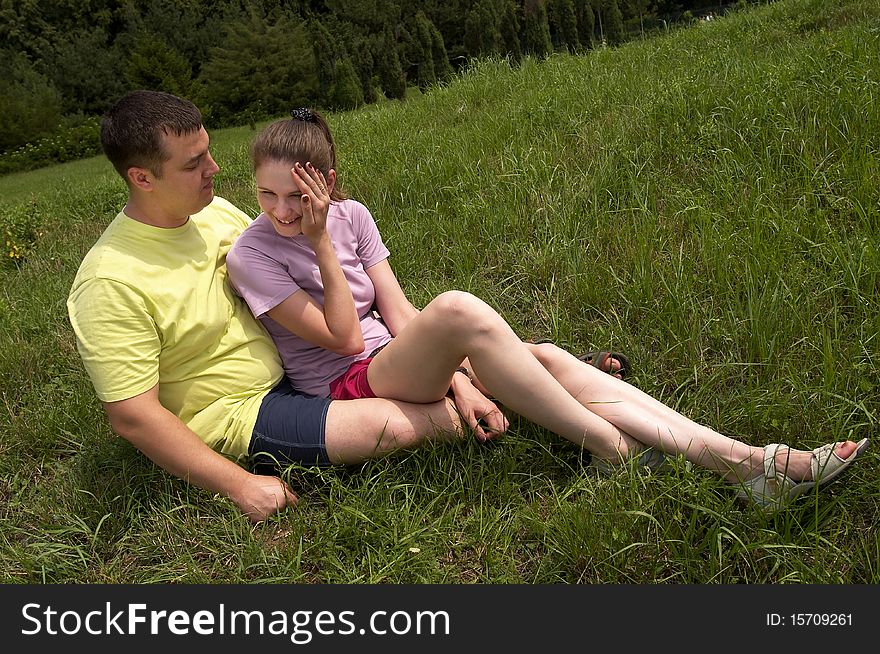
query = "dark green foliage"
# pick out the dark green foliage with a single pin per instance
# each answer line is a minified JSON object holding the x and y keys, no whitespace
{"x":563,"y":25}
{"x":261,"y":69}
{"x":87,"y":69}
{"x":613,"y":22}
{"x":425,"y":35}
{"x":30,"y":105}
{"x":374,"y":15}
{"x":365,"y":65}
{"x":586,"y":22}
{"x":639,"y":10}
{"x":417,"y":64}
{"x":442,"y":67}
{"x":510,"y":30}
{"x":388,"y":68}
{"x":347,"y":90}
{"x":482,"y":29}
{"x":327,"y":56}
{"x":536,"y":29}
{"x":190,"y":28}
{"x":492,"y":27}
{"x":156,"y":66}
{"x":93,"y":51}
{"x":75,"y":138}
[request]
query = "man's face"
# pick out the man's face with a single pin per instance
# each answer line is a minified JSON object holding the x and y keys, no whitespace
{"x":186,"y":184}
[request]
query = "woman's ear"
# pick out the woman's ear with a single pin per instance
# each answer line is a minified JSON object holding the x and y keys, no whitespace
{"x":331,"y":180}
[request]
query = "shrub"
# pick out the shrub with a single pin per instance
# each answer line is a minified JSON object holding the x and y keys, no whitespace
{"x":75,"y":138}
{"x":21,"y":223}
{"x":29,"y":103}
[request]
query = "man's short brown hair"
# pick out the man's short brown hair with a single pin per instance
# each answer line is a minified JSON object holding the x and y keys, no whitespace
{"x":132,"y":130}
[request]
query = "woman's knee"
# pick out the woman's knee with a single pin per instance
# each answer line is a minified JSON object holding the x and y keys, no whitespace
{"x":465,"y":313}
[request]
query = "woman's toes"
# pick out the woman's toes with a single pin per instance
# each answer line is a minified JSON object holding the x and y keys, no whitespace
{"x":845,"y":449}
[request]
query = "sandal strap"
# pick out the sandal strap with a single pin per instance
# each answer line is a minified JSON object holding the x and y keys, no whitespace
{"x":824,"y":461}
{"x":770,"y":470}
{"x":774,"y":485}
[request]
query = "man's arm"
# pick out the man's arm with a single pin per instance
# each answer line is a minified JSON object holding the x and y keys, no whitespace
{"x":164,"y":439}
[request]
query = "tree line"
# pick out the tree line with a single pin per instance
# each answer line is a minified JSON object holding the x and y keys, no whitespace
{"x":63,"y":62}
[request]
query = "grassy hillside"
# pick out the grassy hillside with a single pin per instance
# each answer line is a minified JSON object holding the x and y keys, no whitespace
{"x":706,"y":202}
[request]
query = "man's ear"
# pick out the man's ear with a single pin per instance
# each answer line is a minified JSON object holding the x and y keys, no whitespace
{"x":140,"y":178}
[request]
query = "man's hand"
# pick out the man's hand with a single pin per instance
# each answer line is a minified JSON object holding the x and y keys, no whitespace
{"x":478,"y":411}
{"x":262,"y":495}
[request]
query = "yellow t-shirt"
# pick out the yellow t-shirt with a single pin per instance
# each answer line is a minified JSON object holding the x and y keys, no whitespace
{"x":152,"y":305}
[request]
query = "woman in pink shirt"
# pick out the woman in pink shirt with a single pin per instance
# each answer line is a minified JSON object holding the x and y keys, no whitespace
{"x":312,"y":267}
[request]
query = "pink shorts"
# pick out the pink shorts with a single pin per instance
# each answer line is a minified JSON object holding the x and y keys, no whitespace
{"x":352,"y":384}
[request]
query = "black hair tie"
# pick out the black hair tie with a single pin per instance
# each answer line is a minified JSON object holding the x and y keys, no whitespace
{"x":304,"y":114}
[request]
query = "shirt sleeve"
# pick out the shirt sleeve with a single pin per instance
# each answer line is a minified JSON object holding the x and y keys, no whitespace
{"x":371,"y":250}
{"x":260,"y":280}
{"x":116,"y":338}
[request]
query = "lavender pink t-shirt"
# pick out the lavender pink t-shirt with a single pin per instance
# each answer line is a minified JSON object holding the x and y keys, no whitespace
{"x":266,"y":268}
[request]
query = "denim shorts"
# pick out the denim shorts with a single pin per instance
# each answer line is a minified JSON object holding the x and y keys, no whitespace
{"x":289,"y":429}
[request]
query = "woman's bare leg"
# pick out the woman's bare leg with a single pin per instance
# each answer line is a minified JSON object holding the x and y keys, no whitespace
{"x":550,"y":387}
{"x":653,"y":423}
{"x":418,"y":364}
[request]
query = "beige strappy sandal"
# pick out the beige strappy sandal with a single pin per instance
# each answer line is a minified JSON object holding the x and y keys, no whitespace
{"x":773,"y":490}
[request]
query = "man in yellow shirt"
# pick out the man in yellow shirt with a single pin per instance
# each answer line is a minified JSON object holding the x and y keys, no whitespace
{"x":184,"y":371}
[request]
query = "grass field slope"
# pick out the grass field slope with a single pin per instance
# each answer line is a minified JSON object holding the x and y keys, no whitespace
{"x":705,"y":201}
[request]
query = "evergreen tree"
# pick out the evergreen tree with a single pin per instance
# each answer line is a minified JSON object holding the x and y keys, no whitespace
{"x":614,"y":23}
{"x":388,"y":66}
{"x":563,"y":25}
{"x":260,"y":70}
{"x":87,"y":70}
{"x":326,"y":61}
{"x":598,"y":8}
{"x":482,"y":29}
{"x":347,"y":91}
{"x":156,"y":66}
{"x":492,"y":27}
{"x":639,"y":8}
{"x":410,"y":51}
{"x":510,"y":27}
{"x":365,"y":65}
{"x":448,"y":16}
{"x":30,"y":105}
{"x":373,"y":15}
{"x":442,"y":67}
{"x":190,"y":28}
{"x":426,"y":75}
{"x":586,"y":22}
{"x":536,"y":30}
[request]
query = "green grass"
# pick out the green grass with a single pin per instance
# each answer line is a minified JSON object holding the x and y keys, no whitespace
{"x":706,"y":201}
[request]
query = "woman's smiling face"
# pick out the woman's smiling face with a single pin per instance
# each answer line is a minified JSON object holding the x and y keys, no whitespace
{"x":279,"y":197}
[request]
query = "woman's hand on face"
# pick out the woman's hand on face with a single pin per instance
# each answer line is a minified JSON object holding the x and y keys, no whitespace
{"x":315,"y":200}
